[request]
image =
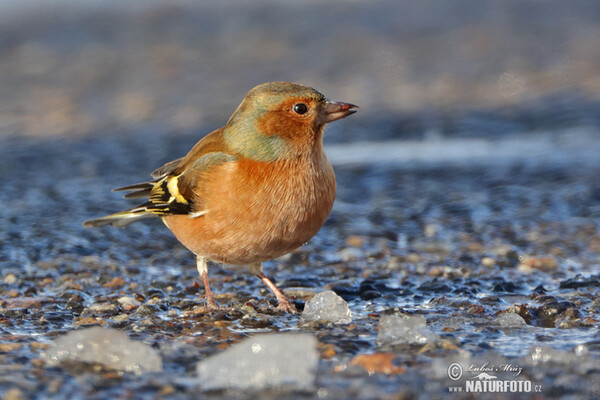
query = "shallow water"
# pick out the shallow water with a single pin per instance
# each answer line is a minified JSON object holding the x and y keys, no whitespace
{"x":427,"y":233}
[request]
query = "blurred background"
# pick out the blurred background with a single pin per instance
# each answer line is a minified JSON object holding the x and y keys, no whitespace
{"x":468,"y":67}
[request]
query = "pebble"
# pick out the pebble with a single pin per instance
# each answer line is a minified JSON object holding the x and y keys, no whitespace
{"x":488,"y":262}
{"x":147,"y":309}
{"x":540,"y":263}
{"x":104,"y":309}
{"x":350,"y":254}
{"x":5,"y":347}
{"x":14,"y":394}
{"x":128,"y":303}
{"x":355,"y":241}
{"x":510,"y":320}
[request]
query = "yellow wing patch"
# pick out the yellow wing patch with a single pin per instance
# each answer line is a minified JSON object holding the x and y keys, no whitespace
{"x":173,"y":189}
{"x":166,"y":191}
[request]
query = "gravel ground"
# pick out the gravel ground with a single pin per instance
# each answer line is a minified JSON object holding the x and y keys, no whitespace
{"x":462,"y":244}
{"x":466,"y":225}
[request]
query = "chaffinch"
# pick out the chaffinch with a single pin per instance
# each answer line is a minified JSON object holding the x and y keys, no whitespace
{"x":253,"y":190}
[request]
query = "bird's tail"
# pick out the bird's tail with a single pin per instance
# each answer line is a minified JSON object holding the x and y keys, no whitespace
{"x":123,"y":218}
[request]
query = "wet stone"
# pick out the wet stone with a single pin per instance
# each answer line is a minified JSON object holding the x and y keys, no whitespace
{"x":147,"y":309}
{"x":505,"y":286}
{"x":326,"y":307}
{"x":550,"y":311}
{"x":580,"y":282}
{"x":541,"y":263}
{"x":104,"y":309}
{"x":128,"y":303}
{"x":262,"y":362}
{"x":108,"y":347}
{"x":434,"y":285}
{"x":510,"y":320}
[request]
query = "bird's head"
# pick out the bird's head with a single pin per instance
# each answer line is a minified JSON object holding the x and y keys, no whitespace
{"x":282,"y":118}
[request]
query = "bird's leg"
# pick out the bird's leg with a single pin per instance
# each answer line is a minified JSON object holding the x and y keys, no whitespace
{"x":283,"y":303}
{"x":202,"y":265}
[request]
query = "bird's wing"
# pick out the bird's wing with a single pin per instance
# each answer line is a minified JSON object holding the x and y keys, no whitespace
{"x":172,"y":193}
{"x":166,"y":169}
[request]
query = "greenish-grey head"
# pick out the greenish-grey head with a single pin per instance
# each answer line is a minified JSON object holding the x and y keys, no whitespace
{"x":278,"y":119}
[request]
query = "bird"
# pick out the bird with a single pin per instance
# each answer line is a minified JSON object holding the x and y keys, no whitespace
{"x":254,"y":190}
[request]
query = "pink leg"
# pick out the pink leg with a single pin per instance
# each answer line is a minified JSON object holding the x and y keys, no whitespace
{"x":202,"y":266}
{"x":283,"y":304}
{"x":211,"y":304}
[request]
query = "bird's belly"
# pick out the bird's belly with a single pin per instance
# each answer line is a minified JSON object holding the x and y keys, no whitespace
{"x":257,"y":221}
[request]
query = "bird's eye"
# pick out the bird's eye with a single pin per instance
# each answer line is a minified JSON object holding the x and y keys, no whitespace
{"x":300,"y":108}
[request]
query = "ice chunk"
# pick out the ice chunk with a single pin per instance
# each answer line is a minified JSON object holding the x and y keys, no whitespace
{"x":326,"y":306}
{"x":109,"y":347}
{"x":404,"y":329}
{"x":544,"y":354}
{"x":510,"y":320}
{"x":577,"y":360}
{"x":263,"y":361}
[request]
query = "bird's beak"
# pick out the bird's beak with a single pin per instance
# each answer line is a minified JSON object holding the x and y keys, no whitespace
{"x":335,"y":110}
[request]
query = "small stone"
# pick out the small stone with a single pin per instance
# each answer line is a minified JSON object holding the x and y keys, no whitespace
{"x":541,"y":263}
{"x":433,"y":247}
{"x":503,"y":250}
{"x":104,"y":309}
{"x":116,"y":282}
{"x":166,"y":390}
{"x":121,"y":318}
{"x":355,"y":241}
{"x":510,"y":320}
{"x":38,"y":345}
{"x":13,"y":394}
{"x":412,"y":258}
{"x":279,"y":360}
{"x":350,"y":253}
{"x":6,"y":347}
{"x":24,"y":302}
{"x":55,"y":385}
{"x":10,"y":279}
{"x":109,"y":347}
{"x":404,"y":329}
{"x":38,"y":363}
{"x":82,"y":321}
{"x":377,"y":362}
{"x":326,"y":306}
{"x":488,"y":262}
{"x":128,"y":303}
{"x":147,"y":309}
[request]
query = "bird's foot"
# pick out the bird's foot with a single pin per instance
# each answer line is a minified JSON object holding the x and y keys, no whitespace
{"x":286,"y":306}
{"x":283,"y":303}
{"x":212,"y":305}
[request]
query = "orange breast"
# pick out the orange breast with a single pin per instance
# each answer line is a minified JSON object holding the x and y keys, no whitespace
{"x":257,"y":211}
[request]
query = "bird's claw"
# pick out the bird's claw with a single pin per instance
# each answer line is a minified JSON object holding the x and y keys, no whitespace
{"x":286,"y":306}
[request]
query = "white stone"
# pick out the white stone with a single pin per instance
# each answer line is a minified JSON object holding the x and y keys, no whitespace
{"x":128,"y":302}
{"x":109,"y":347}
{"x":326,"y":306}
{"x":275,"y":360}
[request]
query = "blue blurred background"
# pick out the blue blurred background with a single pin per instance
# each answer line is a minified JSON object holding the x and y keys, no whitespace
{"x":416,"y":68}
